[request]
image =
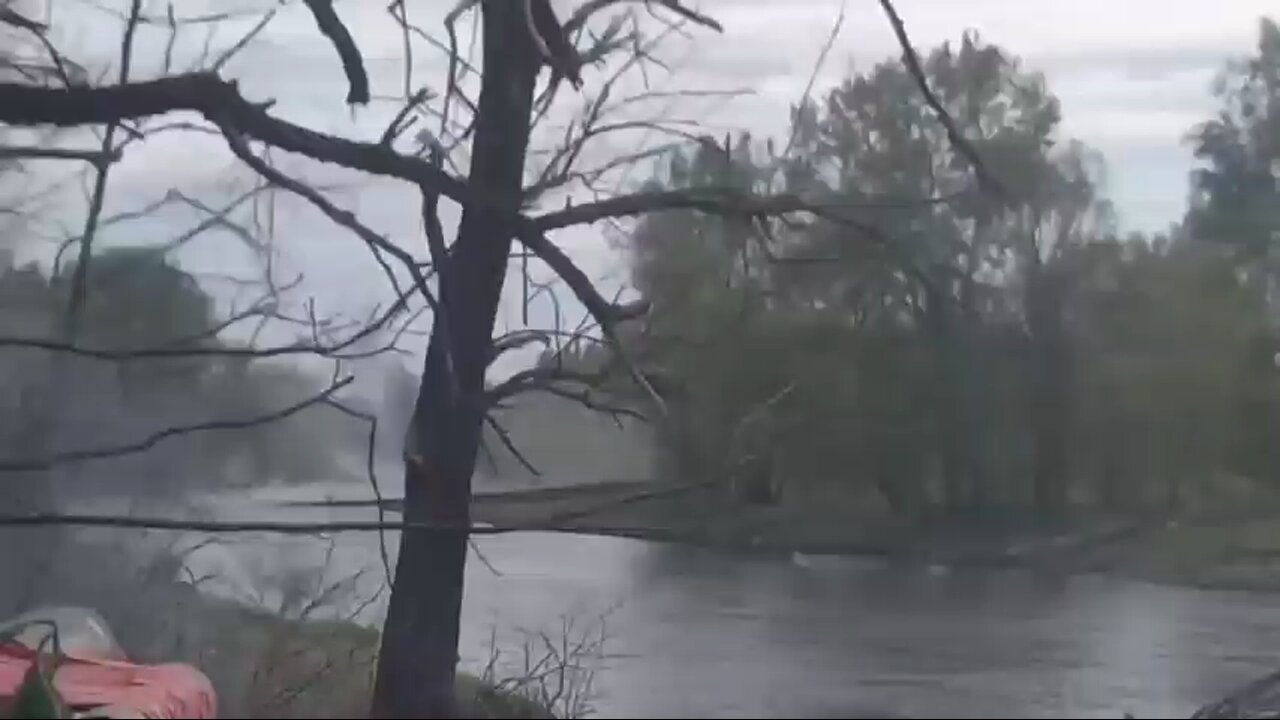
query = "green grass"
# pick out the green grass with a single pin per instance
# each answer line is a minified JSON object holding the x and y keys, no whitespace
{"x":263,"y":665}
{"x":324,"y":669}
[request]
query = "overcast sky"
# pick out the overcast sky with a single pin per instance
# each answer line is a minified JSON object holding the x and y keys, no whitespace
{"x":1133,"y":77}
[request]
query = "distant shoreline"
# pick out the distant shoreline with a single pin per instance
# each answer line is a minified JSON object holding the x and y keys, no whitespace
{"x":1229,"y":551}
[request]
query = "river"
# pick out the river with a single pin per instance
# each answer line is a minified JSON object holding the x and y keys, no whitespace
{"x":699,"y":633}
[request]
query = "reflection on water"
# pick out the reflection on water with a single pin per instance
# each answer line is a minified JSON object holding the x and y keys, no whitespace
{"x":695,"y":632}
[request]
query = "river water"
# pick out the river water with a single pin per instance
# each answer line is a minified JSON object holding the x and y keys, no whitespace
{"x":699,"y":633}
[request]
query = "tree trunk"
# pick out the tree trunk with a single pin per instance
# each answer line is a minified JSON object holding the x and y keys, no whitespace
{"x":954,"y":438}
{"x":1049,"y":393}
{"x":418,"y":657}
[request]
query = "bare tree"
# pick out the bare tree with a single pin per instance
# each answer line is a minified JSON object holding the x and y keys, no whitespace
{"x":462,"y":283}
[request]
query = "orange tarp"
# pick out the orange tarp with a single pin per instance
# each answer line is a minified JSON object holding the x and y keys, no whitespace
{"x":149,"y":691}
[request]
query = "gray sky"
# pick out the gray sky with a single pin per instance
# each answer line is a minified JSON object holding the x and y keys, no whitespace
{"x":1132,"y":76}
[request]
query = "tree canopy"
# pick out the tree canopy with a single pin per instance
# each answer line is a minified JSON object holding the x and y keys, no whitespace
{"x":138,"y":300}
{"x":978,"y":353}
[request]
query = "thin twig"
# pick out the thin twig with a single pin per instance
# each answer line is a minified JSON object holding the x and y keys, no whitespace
{"x":76,"y":300}
{"x":813,"y":75}
{"x":406,"y":45}
{"x":505,"y":438}
{"x":370,"y":468}
{"x":451,"y":88}
{"x":244,"y":40}
{"x":173,"y":37}
{"x":397,"y":124}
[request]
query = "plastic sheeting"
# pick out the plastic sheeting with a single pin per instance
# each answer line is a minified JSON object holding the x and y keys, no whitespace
{"x":81,"y":632}
{"x":94,"y":673}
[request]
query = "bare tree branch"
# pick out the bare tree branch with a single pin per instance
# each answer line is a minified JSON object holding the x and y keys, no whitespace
{"x":550,"y":378}
{"x":591,"y":7}
{"x":641,"y":51}
{"x":540,"y":377}
{"x":450,"y":298}
{"x":221,"y":103}
{"x":217,"y":526}
{"x":95,"y":157}
{"x":716,"y":201}
{"x":9,"y":16}
{"x":239,"y":45}
{"x":515,"y":340}
{"x":212,"y":18}
{"x":78,"y":280}
{"x":370,"y":468}
{"x":352,"y":64}
{"x":505,"y":438}
{"x":912,"y":60}
{"x":813,"y":74}
{"x":172,"y":19}
{"x":216,"y":217}
{"x":561,"y":522}
{"x":606,"y":313}
{"x":181,"y":347}
{"x":400,"y":14}
{"x":398,"y":124}
{"x":102,"y":453}
{"x":220,"y":218}
{"x":552,"y":41}
{"x":452,"y":90}
{"x":341,"y":217}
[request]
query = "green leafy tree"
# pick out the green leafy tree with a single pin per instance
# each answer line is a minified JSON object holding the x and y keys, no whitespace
{"x":138,"y":299}
{"x":1235,"y":197}
{"x":961,"y":285}
{"x":1168,"y":363}
{"x":1235,"y":205}
{"x":885,"y":149}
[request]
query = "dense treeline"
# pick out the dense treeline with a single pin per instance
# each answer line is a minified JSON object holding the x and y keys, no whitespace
{"x":993,"y":351}
{"x":138,"y":299}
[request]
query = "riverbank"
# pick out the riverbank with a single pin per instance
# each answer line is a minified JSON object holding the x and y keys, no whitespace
{"x":265,"y":665}
{"x":1208,"y":553}
{"x":1231,"y":548}
{"x":724,"y":598}
{"x":309,"y":659}
{"x":268,"y":666}
{"x":324,"y":669}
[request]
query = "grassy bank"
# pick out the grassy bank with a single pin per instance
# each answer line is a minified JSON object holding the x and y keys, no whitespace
{"x":292,"y":664}
{"x":324,"y":669}
{"x":263,"y":665}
